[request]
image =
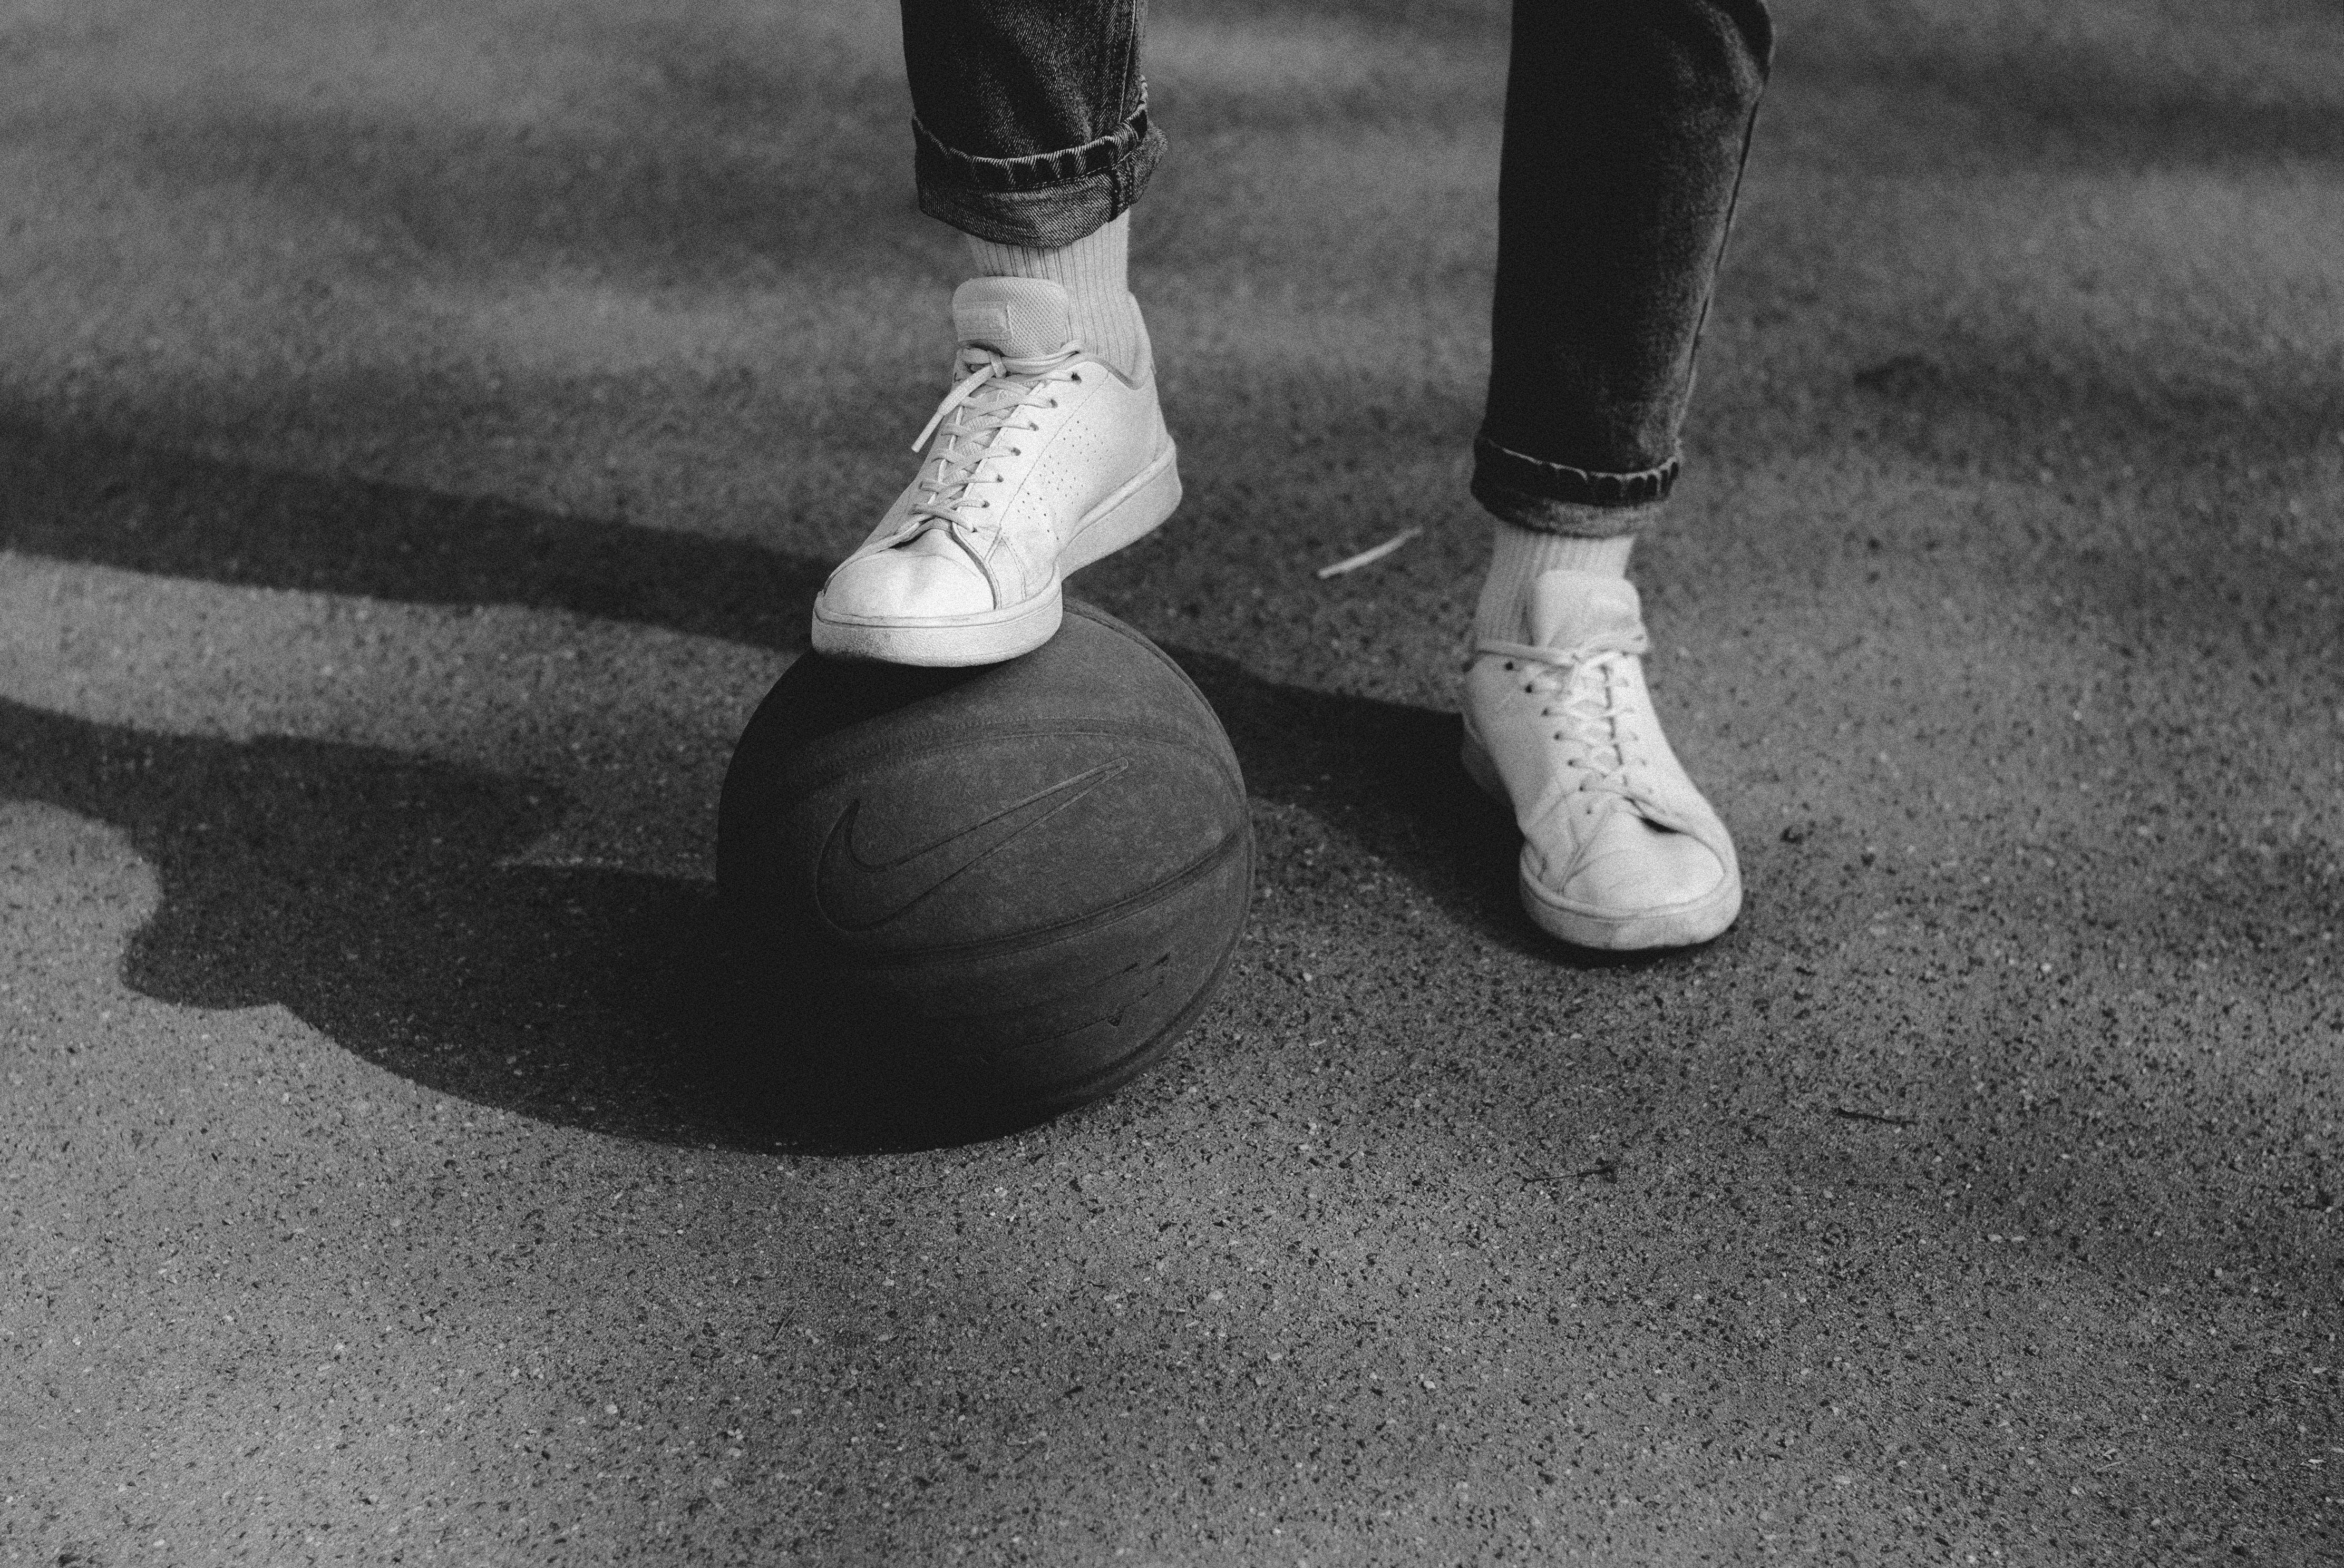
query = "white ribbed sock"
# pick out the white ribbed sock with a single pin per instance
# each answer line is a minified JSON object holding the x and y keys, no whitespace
{"x":1521,"y":556}
{"x":1093,"y":272}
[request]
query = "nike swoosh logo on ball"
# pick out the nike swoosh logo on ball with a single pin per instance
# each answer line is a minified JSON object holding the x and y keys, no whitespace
{"x":857,"y":894}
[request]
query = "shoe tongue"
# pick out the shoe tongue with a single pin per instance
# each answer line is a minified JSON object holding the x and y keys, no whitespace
{"x":1023,"y":318}
{"x":1571,"y":609}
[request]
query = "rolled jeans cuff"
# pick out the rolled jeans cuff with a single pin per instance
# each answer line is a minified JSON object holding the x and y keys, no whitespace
{"x":1047,"y":200}
{"x":1556,"y":498}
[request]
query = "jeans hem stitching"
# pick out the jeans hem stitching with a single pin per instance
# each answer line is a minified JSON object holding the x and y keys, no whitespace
{"x":1522,"y":480}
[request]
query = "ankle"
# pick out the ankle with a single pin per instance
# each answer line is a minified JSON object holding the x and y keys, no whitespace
{"x":1521,"y":556}
{"x":1093,"y":271}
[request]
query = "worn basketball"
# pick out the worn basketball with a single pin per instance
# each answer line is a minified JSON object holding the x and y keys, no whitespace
{"x":1012,"y":886}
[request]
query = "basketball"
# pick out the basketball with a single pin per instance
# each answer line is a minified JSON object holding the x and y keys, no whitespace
{"x":1011,"y":885}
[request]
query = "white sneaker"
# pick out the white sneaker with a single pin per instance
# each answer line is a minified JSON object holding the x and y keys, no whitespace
{"x":1044,"y":459}
{"x":1619,"y":851}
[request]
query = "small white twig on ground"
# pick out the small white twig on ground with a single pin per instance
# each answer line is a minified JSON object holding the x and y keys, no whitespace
{"x":1369,"y":557}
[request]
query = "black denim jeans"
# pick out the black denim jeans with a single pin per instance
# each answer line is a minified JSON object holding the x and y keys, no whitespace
{"x":1627,"y":126}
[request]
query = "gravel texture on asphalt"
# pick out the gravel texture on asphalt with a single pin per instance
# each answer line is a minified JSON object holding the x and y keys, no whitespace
{"x":422,"y":428}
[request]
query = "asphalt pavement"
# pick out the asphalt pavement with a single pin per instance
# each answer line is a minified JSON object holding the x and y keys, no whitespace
{"x":422,"y":429}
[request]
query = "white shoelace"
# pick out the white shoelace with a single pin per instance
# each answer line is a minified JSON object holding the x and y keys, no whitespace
{"x":1593,"y":708}
{"x":967,"y":427}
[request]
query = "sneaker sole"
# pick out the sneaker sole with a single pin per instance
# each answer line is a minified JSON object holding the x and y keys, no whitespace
{"x":1686,"y":924}
{"x":993,"y":636}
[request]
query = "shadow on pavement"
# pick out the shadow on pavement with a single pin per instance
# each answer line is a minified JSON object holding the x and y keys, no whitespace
{"x":363,"y":892}
{"x":98,"y":497}
{"x":370,"y":893}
